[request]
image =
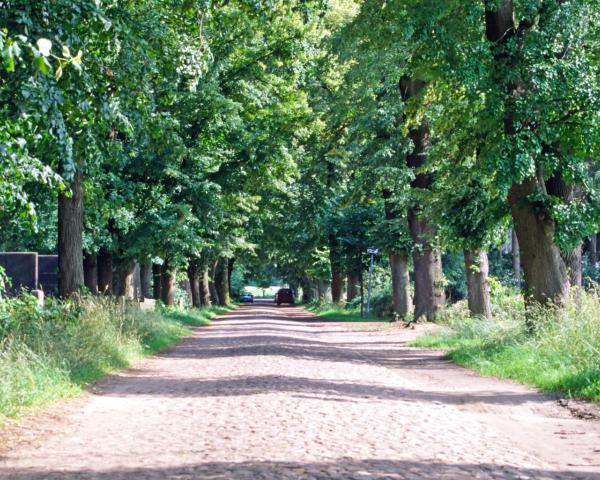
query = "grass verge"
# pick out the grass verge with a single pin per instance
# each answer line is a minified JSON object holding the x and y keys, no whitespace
{"x":561,"y":355}
{"x":339,"y":313}
{"x":53,"y":352}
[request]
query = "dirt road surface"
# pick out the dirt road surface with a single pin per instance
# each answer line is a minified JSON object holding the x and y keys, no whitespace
{"x":274,"y":393}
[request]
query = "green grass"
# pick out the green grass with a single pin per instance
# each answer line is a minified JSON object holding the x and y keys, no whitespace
{"x":338,"y":313}
{"x":53,"y":352}
{"x":561,"y":356}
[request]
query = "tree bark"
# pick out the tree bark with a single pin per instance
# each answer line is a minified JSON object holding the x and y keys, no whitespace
{"x":70,"y":237}
{"x":545,"y":272}
{"x":307,"y":290}
{"x":429,"y":293}
{"x":156,"y":281}
{"x":478,"y":288}
{"x":214,"y":294}
{"x":146,"y":280}
{"x":194,"y":279}
{"x":516,"y":255}
{"x":353,"y":285}
{"x":105,"y":272}
{"x":205,"y":288}
{"x":594,"y":250}
{"x":324,"y":290}
{"x":229,"y":274}
{"x":222,"y":281}
{"x":398,"y":266}
{"x":167,"y":288}
{"x":126,"y":281}
{"x":400,"y":284}
{"x":337,"y":275}
{"x":573,"y":260}
{"x":90,"y":272}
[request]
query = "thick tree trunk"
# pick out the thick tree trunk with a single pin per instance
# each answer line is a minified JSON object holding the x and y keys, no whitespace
{"x":353,"y":285}
{"x":545,"y":272}
{"x":126,"y":280}
{"x":337,"y":275}
{"x":205,"y":288}
{"x":400,"y":284}
{"x":70,"y":237}
{"x":307,"y":290}
{"x":105,"y":272}
{"x":516,"y":255}
{"x":194,"y":279}
{"x":156,"y":281}
{"x":167,"y":288}
{"x":146,"y":280}
{"x":222,"y":281}
{"x":214,"y":294}
{"x":429,"y":292}
{"x":90,"y":272}
{"x":477,"y":269}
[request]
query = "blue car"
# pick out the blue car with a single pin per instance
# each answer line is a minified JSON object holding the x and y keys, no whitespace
{"x":247,"y":298}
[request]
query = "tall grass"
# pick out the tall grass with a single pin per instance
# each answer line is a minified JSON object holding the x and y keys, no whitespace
{"x":51,"y":352}
{"x":559,"y":354}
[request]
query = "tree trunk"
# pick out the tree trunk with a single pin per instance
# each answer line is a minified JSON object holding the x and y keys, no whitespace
{"x":205,"y":288}
{"x":214,"y":294}
{"x":307,"y":290}
{"x":337,"y":276}
{"x":400,"y":284}
{"x":126,"y":281}
{"x":594,"y":249}
{"x":353,"y":285}
{"x":478,"y":288}
{"x":90,"y":272}
{"x":167,"y":288}
{"x":70,"y":237}
{"x":194,"y":279}
{"x":324,"y":290}
{"x":545,"y":273}
{"x":516,"y":255}
{"x":222,"y":281}
{"x":156,"y":281}
{"x":229,"y":274}
{"x":146,"y":280}
{"x":429,"y":292}
{"x":573,"y":260}
{"x":105,"y":272}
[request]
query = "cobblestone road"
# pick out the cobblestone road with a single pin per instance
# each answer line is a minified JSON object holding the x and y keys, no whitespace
{"x":273,"y":393}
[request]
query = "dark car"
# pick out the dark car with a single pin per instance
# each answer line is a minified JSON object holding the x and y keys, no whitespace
{"x":284,"y":295}
{"x":247,"y":297}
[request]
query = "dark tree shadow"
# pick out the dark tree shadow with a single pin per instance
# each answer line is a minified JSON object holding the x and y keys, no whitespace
{"x":344,"y":469}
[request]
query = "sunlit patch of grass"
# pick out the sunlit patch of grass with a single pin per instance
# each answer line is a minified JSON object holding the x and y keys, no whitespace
{"x":561,"y":355}
{"x":340,"y":314}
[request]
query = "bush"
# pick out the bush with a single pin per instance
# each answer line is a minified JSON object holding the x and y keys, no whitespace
{"x":49,"y":352}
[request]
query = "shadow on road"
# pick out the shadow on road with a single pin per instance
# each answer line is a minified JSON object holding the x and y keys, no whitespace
{"x":375,"y":469}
